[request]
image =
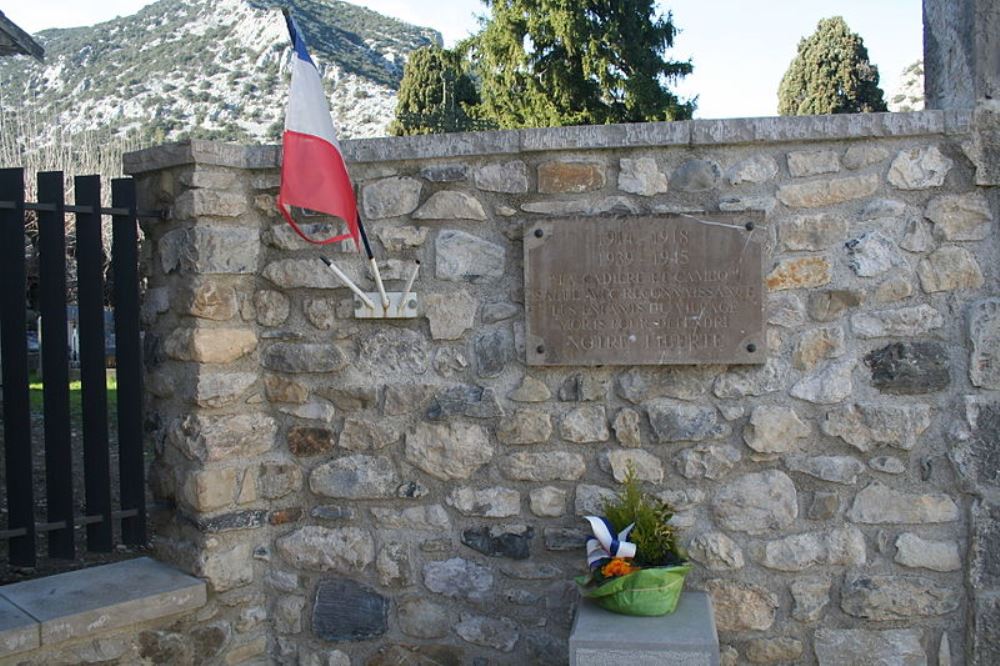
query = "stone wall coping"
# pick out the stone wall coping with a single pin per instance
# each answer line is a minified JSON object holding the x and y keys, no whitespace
{"x":734,"y":131}
{"x":47,"y":611}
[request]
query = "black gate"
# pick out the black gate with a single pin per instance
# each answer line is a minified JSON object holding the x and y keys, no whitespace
{"x":59,"y":520}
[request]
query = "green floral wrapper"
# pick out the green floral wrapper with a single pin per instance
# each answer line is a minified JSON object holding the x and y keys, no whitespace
{"x":646,"y":592}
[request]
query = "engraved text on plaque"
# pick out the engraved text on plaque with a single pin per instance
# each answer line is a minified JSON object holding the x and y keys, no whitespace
{"x":671,"y":289}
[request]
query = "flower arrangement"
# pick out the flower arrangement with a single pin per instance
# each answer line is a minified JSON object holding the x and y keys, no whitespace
{"x":636,"y":565}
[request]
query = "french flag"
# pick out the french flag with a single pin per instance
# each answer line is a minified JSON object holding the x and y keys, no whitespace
{"x":313,"y":173}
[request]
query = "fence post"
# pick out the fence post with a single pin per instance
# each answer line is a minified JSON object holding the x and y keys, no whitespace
{"x":93,"y":375}
{"x":13,"y":339}
{"x":125,"y":263}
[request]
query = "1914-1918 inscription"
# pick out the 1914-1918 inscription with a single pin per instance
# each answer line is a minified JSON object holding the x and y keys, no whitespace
{"x":670,"y":290}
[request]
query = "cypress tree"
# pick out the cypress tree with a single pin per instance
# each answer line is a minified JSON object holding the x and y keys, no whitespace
{"x":830,"y":74}
{"x":435,"y":95}
{"x":546,"y":63}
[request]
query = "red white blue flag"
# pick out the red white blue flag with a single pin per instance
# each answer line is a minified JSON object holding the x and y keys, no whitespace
{"x":313,"y":173}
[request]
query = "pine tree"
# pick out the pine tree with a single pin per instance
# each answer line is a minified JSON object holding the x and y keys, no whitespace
{"x":546,"y":63}
{"x":435,"y":95}
{"x":830,"y":74}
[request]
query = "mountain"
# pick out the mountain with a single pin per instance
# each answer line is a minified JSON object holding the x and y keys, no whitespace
{"x":203,"y":69}
{"x":909,"y":95}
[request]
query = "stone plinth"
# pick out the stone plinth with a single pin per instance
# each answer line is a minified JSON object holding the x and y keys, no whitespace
{"x":687,"y":637}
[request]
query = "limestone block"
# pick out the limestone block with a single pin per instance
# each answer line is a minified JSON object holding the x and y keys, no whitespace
{"x":429,"y":518}
{"x":696,"y":176}
{"x":208,"y":248}
{"x":557,"y":176}
{"x":673,"y":421}
{"x":827,"y":192}
{"x":547,"y":466}
{"x":812,"y":163}
{"x":919,"y":168}
{"x":799,"y":273}
{"x":878,"y":504}
{"x":757,"y":169}
{"x":495,"y":502}
{"x":641,"y":176}
{"x":548,"y":501}
{"x":390,"y":197}
{"x":342,"y":549}
{"x":810,"y":597}
{"x":216,"y":438}
{"x":813,"y":232}
{"x":836,"y":469}
{"x":960,"y":217}
{"x":458,"y":578}
{"x":896,"y":597}
{"x":462,"y":257}
{"x":585,"y":424}
{"x":272,"y":307}
{"x":707,"y":461}
{"x":845,"y":647}
{"x":449,"y":314}
{"x":774,"y":429}
{"x":451,"y":205}
{"x":741,"y":606}
{"x":499,"y":633}
{"x":916,"y":552}
{"x":716,"y":551}
{"x":525,"y":426}
{"x":756,"y":503}
{"x":508,"y":177}
{"x":829,"y":385}
{"x":901,"y":322}
{"x":818,"y":344}
{"x":355,"y":477}
{"x":873,"y":254}
{"x":303,"y":357}
{"x":626,"y":428}
{"x":448,"y":451}
{"x":647,"y":466}
{"x":949,"y":268}
{"x":209,"y":299}
{"x":209,"y":345}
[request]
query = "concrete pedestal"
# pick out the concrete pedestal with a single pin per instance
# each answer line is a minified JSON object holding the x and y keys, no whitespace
{"x":687,"y":637}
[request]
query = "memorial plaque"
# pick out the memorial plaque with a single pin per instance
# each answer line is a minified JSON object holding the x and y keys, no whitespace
{"x":665,"y":290}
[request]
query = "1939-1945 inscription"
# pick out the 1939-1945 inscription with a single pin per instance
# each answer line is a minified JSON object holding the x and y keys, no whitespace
{"x":672,"y":289}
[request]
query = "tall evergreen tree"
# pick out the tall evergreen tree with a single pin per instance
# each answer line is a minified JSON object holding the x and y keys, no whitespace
{"x":830,"y":74}
{"x":546,"y":63}
{"x":435,"y":95}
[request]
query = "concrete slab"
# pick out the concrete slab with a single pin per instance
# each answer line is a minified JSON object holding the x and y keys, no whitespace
{"x":687,"y":637}
{"x":107,"y":597}
{"x":18,"y":630}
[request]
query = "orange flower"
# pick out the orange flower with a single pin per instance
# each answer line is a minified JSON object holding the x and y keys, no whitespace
{"x":618,"y":567}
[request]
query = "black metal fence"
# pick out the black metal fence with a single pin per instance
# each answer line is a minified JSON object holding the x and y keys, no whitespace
{"x":59,"y":520}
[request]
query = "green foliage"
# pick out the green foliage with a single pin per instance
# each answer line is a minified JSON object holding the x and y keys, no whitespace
{"x":436,"y":95}
{"x":830,"y":74}
{"x":547,"y":63}
{"x":655,"y":539}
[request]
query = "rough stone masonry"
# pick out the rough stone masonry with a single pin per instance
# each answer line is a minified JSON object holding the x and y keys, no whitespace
{"x":385,"y":492}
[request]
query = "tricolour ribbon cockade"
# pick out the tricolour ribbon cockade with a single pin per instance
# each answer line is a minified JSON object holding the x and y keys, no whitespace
{"x":605,"y":543}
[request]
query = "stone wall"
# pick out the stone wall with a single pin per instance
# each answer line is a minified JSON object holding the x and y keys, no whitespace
{"x":381,"y":492}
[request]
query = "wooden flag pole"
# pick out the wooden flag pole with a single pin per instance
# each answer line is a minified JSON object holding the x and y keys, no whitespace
{"x":409,"y":286}
{"x":350,"y":284}
{"x":373,"y":265}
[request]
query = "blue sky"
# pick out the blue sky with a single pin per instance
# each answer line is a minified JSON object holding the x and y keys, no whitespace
{"x":740,"y":48}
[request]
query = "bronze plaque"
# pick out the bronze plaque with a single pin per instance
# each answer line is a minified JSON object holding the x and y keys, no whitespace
{"x":665,"y":290}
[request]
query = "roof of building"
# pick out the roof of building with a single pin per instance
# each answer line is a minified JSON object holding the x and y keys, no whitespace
{"x":14,"y":41}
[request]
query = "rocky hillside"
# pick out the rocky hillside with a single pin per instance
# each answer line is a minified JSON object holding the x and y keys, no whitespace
{"x":201,"y":68}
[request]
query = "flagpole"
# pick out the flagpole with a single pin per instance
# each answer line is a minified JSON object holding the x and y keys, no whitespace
{"x":350,"y":284}
{"x":373,"y":264}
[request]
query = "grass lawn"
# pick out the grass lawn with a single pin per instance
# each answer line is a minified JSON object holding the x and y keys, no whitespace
{"x":35,"y":389}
